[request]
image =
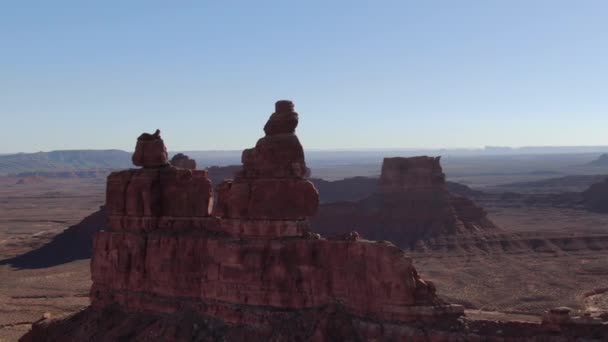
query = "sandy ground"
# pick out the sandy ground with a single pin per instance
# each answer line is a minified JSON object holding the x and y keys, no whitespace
{"x":31,"y":215}
{"x":526,"y":282}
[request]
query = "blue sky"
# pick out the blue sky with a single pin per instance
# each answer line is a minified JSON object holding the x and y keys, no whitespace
{"x":363,"y":74}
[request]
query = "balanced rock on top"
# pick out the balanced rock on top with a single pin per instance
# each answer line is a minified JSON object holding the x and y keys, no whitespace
{"x":150,"y":151}
{"x":284,"y":120}
{"x":279,"y":154}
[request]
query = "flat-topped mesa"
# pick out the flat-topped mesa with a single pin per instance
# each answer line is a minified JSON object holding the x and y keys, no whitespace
{"x":157,"y":196}
{"x":182,"y":161}
{"x":401,"y":174}
{"x":412,"y":204}
{"x":270,"y":196}
{"x":150,"y":151}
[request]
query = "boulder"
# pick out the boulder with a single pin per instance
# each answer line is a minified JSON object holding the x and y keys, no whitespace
{"x":283,"y":121}
{"x":150,"y":151}
{"x":182,"y":161}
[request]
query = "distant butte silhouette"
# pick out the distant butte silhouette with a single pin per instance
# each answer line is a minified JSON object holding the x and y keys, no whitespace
{"x":412,"y":202}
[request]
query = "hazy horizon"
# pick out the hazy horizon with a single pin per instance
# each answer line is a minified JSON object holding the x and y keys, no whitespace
{"x":483,"y":149}
{"x":381,"y":75}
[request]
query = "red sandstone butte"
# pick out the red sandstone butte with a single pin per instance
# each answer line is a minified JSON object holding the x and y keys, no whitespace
{"x":412,"y":203}
{"x":182,"y":161}
{"x":165,"y":270}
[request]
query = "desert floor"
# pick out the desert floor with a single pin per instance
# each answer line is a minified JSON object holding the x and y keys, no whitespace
{"x":519,"y":282}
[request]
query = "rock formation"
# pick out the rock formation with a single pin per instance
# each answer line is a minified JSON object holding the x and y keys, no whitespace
{"x":596,"y":197}
{"x":165,"y":269}
{"x":412,"y":203}
{"x":253,"y":263}
{"x":602,"y":160}
{"x":150,"y":151}
{"x":182,"y":161}
{"x":272,"y":185}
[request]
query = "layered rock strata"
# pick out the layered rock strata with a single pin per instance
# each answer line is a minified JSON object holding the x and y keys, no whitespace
{"x":412,"y":203}
{"x":254,"y":262}
{"x":271,"y":189}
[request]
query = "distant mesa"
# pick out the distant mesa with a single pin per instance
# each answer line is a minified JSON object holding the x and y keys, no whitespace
{"x":65,"y":160}
{"x":602,"y":160}
{"x":595,"y":198}
{"x":30,"y":180}
{"x":411,"y":203}
{"x":183,"y":161}
{"x":66,"y":174}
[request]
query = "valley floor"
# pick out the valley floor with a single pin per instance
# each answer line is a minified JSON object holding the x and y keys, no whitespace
{"x":523,"y":283}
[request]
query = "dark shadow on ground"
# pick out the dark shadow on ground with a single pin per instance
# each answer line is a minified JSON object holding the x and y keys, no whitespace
{"x":74,"y":243}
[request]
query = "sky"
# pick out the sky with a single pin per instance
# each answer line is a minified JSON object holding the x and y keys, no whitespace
{"x":362,"y":74}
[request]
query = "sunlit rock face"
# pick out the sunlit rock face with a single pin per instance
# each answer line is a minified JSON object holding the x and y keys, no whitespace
{"x":272,"y":184}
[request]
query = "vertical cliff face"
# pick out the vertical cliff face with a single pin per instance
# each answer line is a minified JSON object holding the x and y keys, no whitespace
{"x":412,"y":204}
{"x":400,"y":175}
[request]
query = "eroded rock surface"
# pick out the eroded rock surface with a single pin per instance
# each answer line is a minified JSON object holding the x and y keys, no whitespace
{"x":254,"y":262}
{"x":272,"y":184}
{"x":412,"y":203}
{"x":150,"y":151}
{"x":166,"y":269}
{"x":182,"y":161}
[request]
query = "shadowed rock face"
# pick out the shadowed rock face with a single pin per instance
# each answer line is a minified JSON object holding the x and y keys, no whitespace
{"x":596,"y":197}
{"x":412,"y":203}
{"x":182,"y":161}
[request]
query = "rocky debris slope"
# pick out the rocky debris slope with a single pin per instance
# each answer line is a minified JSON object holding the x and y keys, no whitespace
{"x":411,"y":204}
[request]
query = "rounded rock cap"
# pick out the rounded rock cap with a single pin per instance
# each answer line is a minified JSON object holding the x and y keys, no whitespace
{"x":283,"y":106}
{"x":150,"y":151}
